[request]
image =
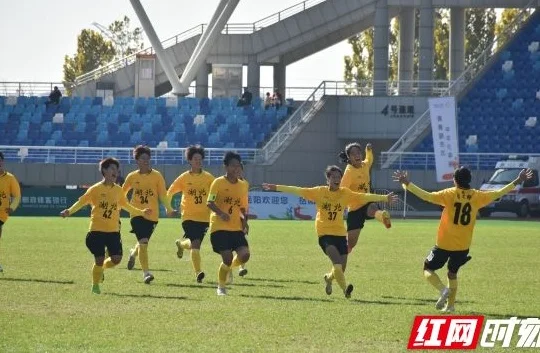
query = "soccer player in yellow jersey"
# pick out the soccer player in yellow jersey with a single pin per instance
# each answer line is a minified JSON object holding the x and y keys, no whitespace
{"x":357,"y":178}
{"x":194,"y":185}
{"x":461,"y":205}
{"x":331,"y":201}
{"x":106,"y":199}
{"x":228,"y":200}
{"x":148,"y":188}
{"x":10,"y":195}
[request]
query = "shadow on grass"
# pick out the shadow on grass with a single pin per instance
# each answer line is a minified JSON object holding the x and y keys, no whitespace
{"x":35,"y":280}
{"x":280,"y":280}
{"x":152,"y":270}
{"x":145,"y":296}
{"x":421,"y":300}
{"x":383,"y":302}
{"x":295,"y":298}
{"x":201,"y":285}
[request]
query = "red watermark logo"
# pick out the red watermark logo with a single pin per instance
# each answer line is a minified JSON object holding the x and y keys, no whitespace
{"x":445,"y":332}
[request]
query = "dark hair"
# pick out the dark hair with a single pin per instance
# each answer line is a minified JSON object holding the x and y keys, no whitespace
{"x":193,"y":149}
{"x":229,"y":156}
{"x":1,"y":156}
{"x":332,"y":168}
{"x":107,"y":162}
{"x":55,"y":87}
{"x":344,"y":155}
{"x":140,"y":150}
{"x":462,"y":176}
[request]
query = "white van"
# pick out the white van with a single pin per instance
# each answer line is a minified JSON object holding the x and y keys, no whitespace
{"x":524,"y":200}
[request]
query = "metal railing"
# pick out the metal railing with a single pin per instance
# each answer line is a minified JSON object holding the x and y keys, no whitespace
{"x":28,"y":88}
{"x":459,"y":85}
{"x":92,"y":155}
{"x":300,"y":117}
{"x":426,"y":160}
{"x":230,"y":28}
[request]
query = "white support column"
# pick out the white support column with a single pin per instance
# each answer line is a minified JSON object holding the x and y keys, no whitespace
{"x":425,"y":60}
{"x":280,"y":78}
{"x":164,"y":60}
{"x":214,"y":29}
{"x":380,"y":48}
{"x":457,"y":42}
{"x":407,"y":21}
{"x":201,"y":81}
{"x":254,"y":76}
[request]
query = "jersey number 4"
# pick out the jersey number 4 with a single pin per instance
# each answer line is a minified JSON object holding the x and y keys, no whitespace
{"x":462,"y":214}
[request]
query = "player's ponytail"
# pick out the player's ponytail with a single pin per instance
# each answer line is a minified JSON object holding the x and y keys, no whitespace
{"x":343,"y":157}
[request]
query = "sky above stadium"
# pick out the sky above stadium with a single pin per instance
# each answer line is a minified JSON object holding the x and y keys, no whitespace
{"x":36,"y":34}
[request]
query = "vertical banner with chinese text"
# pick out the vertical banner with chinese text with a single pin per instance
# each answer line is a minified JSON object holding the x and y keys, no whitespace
{"x":445,"y":140}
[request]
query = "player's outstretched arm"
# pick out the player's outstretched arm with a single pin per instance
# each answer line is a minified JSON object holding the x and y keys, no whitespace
{"x":402,"y":177}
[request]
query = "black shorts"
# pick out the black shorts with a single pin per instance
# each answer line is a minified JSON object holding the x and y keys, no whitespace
{"x":194,"y":230}
{"x":356,"y":218}
{"x":96,"y":242}
{"x":340,"y":242}
{"x":437,"y":258}
{"x":142,"y":228}
{"x":1,"y":224}
{"x":223,"y":240}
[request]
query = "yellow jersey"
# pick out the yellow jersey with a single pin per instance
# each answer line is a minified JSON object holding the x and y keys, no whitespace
{"x":148,"y":190}
{"x":9,"y":188}
{"x":459,"y":214}
{"x":231,"y":199}
{"x":195,"y":189}
{"x":358,"y":179}
{"x":331,"y":205}
{"x":106,"y":202}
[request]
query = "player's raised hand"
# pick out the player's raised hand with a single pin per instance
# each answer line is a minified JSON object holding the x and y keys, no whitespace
{"x":401,"y":176}
{"x":392,"y":198}
{"x":525,"y":174}
{"x":269,"y":187}
{"x":368,"y":146}
{"x":64,"y":213}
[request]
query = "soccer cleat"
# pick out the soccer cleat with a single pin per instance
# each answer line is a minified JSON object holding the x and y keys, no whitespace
{"x":230,"y":277}
{"x":386,"y":219}
{"x":348,"y":291}
{"x":242,"y":271}
{"x":445,"y":292}
{"x":148,"y":277}
{"x":328,"y":288}
{"x":221,"y":291}
{"x":180,"y":251}
{"x":449,"y":309}
{"x":200,"y":277}
{"x":95,"y":289}
{"x":131,"y":260}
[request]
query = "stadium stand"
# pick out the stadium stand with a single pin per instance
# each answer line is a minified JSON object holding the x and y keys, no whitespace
{"x":498,"y":114}
{"x":87,"y":122}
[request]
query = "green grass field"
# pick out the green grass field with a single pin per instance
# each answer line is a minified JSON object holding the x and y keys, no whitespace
{"x":280,"y":306}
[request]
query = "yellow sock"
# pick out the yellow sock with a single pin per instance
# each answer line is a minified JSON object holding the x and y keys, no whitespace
{"x":434,"y":279}
{"x":136,"y":252}
{"x":108,"y":263}
{"x":143,"y":256}
{"x":236,"y":262}
{"x":186,"y":244}
{"x":452,"y":284}
{"x":337,"y":271}
{"x":222,"y":275}
{"x":97,"y":273}
{"x":196,"y":260}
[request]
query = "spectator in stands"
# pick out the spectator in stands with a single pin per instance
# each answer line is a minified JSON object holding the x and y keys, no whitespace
{"x":54,"y":97}
{"x":106,"y":199}
{"x":268,"y":101}
{"x":10,"y":195}
{"x":194,"y":185}
{"x":331,"y":201}
{"x":246,"y":98}
{"x":278,"y":99}
{"x":461,"y":204}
